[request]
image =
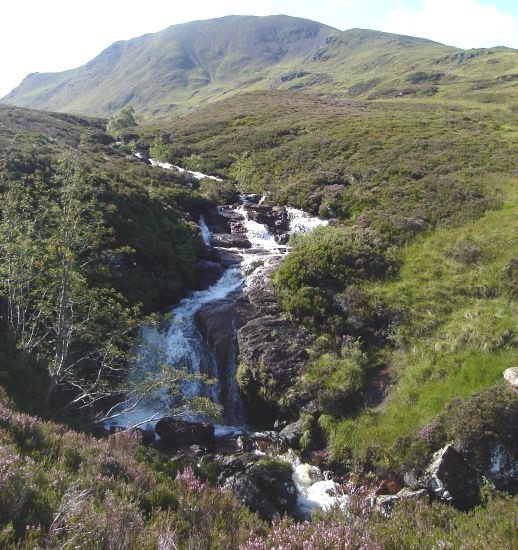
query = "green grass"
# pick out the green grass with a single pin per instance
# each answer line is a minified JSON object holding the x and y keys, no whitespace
{"x":459,"y":329}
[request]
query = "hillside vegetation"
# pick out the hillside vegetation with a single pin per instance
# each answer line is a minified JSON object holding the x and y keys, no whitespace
{"x":189,"y":65}
{"x":408,"y":296}
{"x":417,"y":266}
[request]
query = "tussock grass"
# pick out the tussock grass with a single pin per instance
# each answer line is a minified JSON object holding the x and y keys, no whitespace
{"x":460,"y":324}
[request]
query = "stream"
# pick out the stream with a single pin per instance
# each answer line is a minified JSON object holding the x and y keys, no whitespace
{"x":178,"y":344}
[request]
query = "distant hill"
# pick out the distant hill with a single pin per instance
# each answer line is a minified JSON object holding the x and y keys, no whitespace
{"x":203,"y":61}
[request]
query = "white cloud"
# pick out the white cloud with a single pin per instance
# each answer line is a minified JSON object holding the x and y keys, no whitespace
{"x":462,"y":23}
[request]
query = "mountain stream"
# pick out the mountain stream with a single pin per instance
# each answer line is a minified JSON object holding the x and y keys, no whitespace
{"x":178,"y":344}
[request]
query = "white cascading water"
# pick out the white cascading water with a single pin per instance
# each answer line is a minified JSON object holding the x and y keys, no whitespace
{"x":182,"y":346}
{"x":314,"y":490}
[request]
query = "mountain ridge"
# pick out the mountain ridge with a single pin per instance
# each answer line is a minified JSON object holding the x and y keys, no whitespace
{"x":191,"y":63}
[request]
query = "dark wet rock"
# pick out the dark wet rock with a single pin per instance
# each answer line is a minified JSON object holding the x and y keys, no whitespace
{"x":99,"y":431}
{"x":450,"y":477}
{"x":272,"y":354}
{"x":282,"y":493}
{"x":271,"y":349}
{"x":251,"y":495}
{"x":176,"y":432}
{"x":148,"y":436}
{"x":496,"y":460}
{"x":228,"y":240}
{"x":274,"y":217}
{"x":208,"y":273}
{"x":245,"y":443}
{"x":228,"y":258}
{"x":216,"y":323}
{"x":220,"y":220}
{"x":237,"y":227}
{"x":252,"y":199}
{"x":292,"y":434}
{"x":282,"y":239}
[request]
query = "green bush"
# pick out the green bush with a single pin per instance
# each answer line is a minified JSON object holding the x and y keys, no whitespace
{"x":336,"y":379}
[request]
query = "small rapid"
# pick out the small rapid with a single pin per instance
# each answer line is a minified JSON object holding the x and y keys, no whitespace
{"x":178,"y":345}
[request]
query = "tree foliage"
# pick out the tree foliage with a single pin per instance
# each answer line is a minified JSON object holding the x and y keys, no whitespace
{"x":50,"y":257}
{"x":125,"y":118}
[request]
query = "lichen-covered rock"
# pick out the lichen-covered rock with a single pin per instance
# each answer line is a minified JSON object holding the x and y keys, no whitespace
{"x":511,"y":377}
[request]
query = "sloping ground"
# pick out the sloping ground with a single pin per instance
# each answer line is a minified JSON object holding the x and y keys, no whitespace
{"x":146,"y":209}
{"x":435,"y":187}
{"x":186,"y":66}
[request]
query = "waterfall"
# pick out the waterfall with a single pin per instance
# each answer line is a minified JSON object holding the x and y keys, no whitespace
{"x":180,"y":345}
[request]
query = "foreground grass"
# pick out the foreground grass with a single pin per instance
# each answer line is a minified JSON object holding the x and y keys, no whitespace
{"x":455,"y":291}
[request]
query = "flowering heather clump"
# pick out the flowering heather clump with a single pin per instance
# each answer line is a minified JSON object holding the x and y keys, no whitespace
{"x":317,"y":535}
{"x":191,"y":482}
{"x":8,"y":460}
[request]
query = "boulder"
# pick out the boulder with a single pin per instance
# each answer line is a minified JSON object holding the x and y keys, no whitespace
{"x":147,"y":436}
{"x":292,"y":434}
{"x":450,"y":477}
{"x":511,"y":377}
{"x":251,"y":495}
{"x":282,"y":493}
{"x":208,"y":273}
{"x":176,"y":432}
{"x":230,"y":240}
{"x":228,"y":258}
{"x":274,"y":217}
{"x":220,"y":220}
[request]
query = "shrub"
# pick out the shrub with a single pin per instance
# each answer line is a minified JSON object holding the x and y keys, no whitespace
{"x":336,"y":379}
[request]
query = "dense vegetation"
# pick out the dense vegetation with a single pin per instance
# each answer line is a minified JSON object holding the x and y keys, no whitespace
{"x":411,"y":286}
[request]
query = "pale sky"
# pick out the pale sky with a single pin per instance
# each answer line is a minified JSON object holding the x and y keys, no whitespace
{"x":55,"y":35}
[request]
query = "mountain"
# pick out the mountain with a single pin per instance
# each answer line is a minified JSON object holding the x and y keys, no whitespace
{"x":203,"y":61}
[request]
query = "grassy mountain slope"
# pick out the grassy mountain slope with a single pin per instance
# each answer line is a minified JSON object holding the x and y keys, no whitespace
{"x":191,"y":64}
{"x":434,"y":184}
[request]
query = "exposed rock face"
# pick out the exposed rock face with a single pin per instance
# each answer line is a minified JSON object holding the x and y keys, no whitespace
{"x":230,"y":240}
{"x":450,"y":477}
{"x":275,"y":217}
{"x":208,"y":273}
{"x":272,"y":353}
{"x":175,"y":432}
{"x":262,"y":492}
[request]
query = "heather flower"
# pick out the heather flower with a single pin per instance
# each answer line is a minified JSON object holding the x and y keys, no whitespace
{"x":341,"y":534}
{"x":191,"y":482}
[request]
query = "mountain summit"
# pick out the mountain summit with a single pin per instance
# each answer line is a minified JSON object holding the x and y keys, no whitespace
{"x":203,"y":61}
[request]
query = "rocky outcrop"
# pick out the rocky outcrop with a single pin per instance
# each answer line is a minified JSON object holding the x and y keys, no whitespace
{"x":262,"y":491}
{"x":249,"y":494}
{"x":450,"y":477}
{"x":292,"y":434}
{"x":208,"y":273}
{"x":230,"y":240}
{"x":275,"y":217}
{"x":175,"y":432}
